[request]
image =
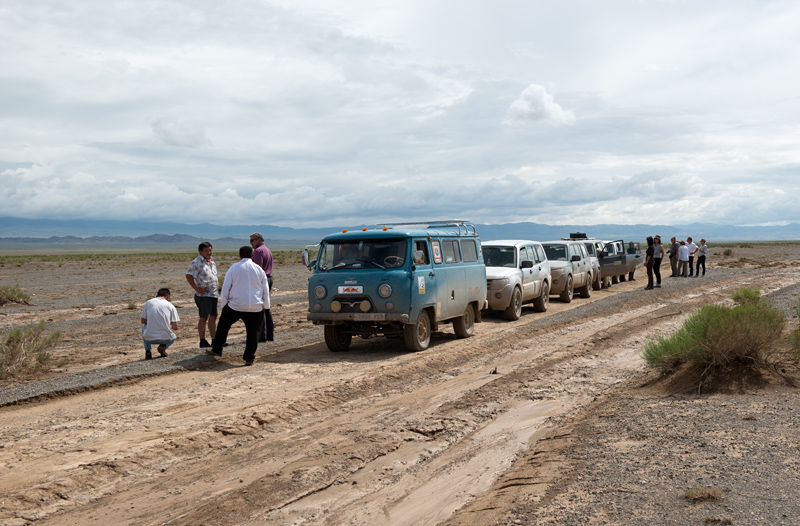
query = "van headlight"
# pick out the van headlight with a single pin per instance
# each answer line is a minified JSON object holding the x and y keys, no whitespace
{"x":320,"y":292}
{"x":385,"y":290}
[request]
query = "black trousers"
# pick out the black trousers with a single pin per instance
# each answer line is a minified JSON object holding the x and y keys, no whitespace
{"x":657,"y":269}
{"x":266,"y":331}
{"x":691,"y":265}
{"x":251,"y":322}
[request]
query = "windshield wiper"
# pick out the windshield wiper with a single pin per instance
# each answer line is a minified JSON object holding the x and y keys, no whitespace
{"x":373,"y":262}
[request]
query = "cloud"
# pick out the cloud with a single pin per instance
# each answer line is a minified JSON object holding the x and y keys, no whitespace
{"x":171,"y":132}
{"x":537,"y":104}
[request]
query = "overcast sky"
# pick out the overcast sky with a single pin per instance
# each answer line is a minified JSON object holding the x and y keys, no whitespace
{"x":320,"y":112}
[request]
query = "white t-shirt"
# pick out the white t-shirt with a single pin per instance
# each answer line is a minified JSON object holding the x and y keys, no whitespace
{"x":683,"y":253}
{"x":692,"y":247}
{"x":159,"y":314}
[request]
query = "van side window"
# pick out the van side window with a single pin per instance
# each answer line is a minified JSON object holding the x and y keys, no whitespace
{"x":450,"y":251}
{"x":422,"y":246}
{"x":470,"y":251}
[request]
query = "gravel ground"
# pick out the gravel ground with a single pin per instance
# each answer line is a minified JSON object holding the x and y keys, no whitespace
{"x":631,"y":457}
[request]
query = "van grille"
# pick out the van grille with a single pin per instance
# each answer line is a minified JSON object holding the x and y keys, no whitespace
{"x":353,"y":303}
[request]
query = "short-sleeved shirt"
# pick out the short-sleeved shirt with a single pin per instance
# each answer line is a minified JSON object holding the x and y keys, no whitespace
{"x":159,"y":314}
{"x":659,"y":251}
{"x":204,"y":273}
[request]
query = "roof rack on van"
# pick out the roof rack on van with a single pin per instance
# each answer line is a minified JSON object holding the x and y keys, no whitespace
{"x":463,"y":225}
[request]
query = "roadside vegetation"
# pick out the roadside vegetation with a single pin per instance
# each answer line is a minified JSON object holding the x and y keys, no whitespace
{"x":13,"y":294}
{"x":25,"y":350}
{"x":717,"y":338}
{"x":96,"y":260}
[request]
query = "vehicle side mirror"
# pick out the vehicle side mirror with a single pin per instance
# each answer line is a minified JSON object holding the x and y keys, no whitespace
{"x":306,"y":259}
{"x":576,"y":258}
{"x":526,"y":264}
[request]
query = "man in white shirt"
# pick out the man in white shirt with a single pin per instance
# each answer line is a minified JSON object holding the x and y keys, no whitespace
{"x":159,"y":319}
{"x":683,"y":259}
{"x":244,"y":296}
{"x":692,"y":248}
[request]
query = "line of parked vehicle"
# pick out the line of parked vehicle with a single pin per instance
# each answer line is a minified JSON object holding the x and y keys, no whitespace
{"x":405,"y":280}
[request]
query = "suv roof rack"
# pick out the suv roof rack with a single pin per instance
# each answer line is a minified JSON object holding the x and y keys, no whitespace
{"x":463,"y":225}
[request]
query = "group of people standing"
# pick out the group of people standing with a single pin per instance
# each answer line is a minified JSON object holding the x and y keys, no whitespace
{"x":244,"y":296}
{"x":681,"y":256}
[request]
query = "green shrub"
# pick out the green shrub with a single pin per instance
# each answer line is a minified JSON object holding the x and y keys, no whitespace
{"x":13,"y":294}
{"x":717,"y":336}
{"x":746,"y":245}
{"x":742,"y":259}
{"x":745,"y":296}
{"x":727,"y":252}
{"x":25,"y":350}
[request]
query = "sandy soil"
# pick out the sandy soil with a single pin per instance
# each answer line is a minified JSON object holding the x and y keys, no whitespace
{"x":553,"y":419}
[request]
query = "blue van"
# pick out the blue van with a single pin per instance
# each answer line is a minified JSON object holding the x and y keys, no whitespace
{"x":398,"y":280}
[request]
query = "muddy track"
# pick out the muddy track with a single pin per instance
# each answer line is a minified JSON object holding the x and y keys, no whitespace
{"x":376,"y":435}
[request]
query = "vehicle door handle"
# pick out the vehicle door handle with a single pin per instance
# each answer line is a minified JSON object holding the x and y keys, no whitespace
{"x":432,"y":274}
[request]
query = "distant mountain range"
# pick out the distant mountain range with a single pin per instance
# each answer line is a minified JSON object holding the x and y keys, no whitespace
{"x":26,"y":234}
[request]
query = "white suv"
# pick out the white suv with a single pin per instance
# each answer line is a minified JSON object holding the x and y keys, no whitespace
{"x":570,"y":267}
{"x":517,"y":272}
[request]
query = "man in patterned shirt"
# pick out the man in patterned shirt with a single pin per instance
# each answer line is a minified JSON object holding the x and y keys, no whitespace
{"x":202,"y":276}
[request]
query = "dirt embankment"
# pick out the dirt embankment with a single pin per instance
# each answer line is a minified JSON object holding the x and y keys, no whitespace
{"x":552,"y":419}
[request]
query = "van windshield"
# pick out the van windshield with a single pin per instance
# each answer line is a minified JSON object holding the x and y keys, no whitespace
{"x":500,"y":256}
{"x":556,"y":252}
{"x":358,"y":254}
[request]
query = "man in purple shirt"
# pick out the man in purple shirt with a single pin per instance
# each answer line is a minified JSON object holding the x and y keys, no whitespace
{"x":263,"y":258}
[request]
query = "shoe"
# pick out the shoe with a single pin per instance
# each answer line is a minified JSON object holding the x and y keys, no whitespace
{"x":631,"y":279}
{"x":204,"y":343}
{"x":148,"y":355}
{"x":658,"y":285}
{"x":212,"y":353}
{"x":262,"y":340}
{"x":162,"y":350}
{"x":648,"y":288}
{"x":248,"y":363}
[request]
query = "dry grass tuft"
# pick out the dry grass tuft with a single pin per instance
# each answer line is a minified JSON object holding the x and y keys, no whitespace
{"x":25,"y":350}
{"x":698,"y":494}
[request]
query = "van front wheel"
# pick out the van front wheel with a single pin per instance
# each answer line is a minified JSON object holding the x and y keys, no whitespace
{"x":336,"y":339}
{"x":465,"y":325}
{"x":418,"y":334}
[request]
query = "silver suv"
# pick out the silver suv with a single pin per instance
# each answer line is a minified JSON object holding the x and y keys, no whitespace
{"x":570,"y":268}
{"x":517,"y":272}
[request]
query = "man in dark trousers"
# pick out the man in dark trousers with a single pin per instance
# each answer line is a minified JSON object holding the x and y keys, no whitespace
{"x":244,"y":296}
{"x":262,"y":256}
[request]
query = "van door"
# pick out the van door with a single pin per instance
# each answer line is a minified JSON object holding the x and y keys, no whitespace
{"x":454,"y":286}
{"x":423,"y":282}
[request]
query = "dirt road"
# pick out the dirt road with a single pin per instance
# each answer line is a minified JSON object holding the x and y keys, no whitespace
{"x":376,"y":435}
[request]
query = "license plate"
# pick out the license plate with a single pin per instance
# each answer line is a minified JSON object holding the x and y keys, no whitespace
{"x":351,"y":289}
{"x":369,"y":316}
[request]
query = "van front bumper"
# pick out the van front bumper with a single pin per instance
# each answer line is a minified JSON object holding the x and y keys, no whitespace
{"x":321,"y":317}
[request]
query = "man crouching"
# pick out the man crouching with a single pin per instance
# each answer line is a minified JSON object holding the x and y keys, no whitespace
{"x":159,"y":319}
{"x":244,"y":296}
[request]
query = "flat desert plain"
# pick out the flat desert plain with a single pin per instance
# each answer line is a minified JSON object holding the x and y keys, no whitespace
{"x":551,"y":419}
